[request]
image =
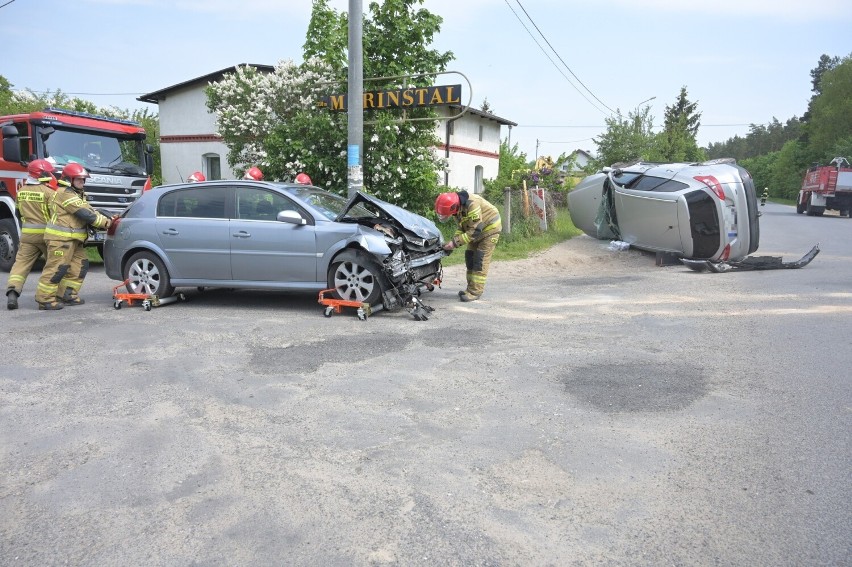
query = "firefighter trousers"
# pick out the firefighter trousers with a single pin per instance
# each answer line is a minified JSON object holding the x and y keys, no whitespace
{"x":28,"y":254}
{"x":63,"y":274}
{"x":477,"y":260}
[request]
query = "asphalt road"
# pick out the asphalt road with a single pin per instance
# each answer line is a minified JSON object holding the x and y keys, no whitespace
{"x":592,"y":408}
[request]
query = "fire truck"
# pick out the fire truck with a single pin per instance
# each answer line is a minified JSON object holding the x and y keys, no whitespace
{"x":113,"y":151}
{"x":827,"y":187}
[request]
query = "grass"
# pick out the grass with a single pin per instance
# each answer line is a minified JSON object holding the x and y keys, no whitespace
{"x":520,"y":243}
{"x":93,"y":256}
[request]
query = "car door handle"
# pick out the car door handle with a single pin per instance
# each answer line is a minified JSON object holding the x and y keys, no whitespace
{"x":171,"y":231}
{"x":242,"y":234}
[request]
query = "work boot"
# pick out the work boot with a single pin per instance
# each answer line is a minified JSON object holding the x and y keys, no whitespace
{"x":73,"y":300}
{"x":465,"y":297}
{"x":11,"y":299}
{"x":52,"y":306}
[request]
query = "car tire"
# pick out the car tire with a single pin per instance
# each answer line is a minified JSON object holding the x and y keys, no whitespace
{"x":147,"y":274}
{"x":355,"y":276}
{"x":8,"y":244}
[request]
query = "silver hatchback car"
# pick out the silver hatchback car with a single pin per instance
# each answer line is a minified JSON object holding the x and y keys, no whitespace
{"x":250,"y":234}
{"x":705,"y":211}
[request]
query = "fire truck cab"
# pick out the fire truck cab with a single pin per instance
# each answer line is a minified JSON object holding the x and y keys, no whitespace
{"x":827,"y":187}
{"x":112,"y":150}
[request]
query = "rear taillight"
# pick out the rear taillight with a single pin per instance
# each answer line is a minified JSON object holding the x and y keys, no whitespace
{"x":147,"y":186}
{"x":726,"y":253}
{"x":113,"y":227}
{"x":713,"y":184}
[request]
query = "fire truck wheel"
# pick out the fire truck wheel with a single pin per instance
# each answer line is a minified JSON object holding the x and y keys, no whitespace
{"x":8,"y":244}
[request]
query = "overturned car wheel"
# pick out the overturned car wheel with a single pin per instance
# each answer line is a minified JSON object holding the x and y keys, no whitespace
{"x":355,"y":276}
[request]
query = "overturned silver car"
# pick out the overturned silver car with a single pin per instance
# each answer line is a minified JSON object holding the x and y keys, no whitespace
{"x":706,"y":211}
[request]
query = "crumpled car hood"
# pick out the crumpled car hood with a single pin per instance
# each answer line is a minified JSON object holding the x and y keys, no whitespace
{"x":421,"y":226}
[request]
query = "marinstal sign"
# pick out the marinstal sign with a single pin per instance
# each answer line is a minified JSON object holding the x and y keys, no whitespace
{"x":412,"y":97}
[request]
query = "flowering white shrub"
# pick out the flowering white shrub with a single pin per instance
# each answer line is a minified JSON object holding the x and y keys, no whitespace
{"x":272,"y":120}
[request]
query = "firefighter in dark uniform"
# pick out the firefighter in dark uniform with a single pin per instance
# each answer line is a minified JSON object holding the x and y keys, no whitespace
{"x":33,"y":206}
{"x":66,"y":232}
{"x":478,"y":228}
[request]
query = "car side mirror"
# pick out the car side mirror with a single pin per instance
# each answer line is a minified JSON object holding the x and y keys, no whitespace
{"x":292,"y":217}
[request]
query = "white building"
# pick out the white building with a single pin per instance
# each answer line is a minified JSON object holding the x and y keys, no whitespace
{"x":188,"y":139}
{"x":578,"y":160}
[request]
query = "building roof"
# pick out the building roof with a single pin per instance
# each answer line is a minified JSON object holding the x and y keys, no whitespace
{"x":587,"y":154}
{"x":156,"y":96}
{"x":455,"y":109}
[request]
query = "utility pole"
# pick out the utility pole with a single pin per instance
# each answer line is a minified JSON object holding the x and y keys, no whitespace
{"x":355,"y":96}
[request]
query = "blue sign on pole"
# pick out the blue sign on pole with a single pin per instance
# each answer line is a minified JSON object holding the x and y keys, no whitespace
{"x":354,"y":156}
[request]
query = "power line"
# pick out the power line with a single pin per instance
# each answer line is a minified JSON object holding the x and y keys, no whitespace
{"x":603,"y":126}
{"x":551,"y":59}
{"x":560,"y":58}
{"x":568,"y":142}
{"x":6,"y":4}
{"x":87,"y":94}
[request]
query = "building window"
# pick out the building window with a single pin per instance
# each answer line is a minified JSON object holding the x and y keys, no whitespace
{"x":477,"y":179}
{"x":480,"y":132}
{"x":212,"y":166}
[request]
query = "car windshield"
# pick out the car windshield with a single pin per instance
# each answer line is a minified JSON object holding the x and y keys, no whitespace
{"x":329,"y":204}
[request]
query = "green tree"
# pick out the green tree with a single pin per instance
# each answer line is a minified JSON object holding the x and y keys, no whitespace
{"x":831,"y":110}
{"x":627,"y":139}
{"x":677,"y":141}
{"x":512,"y":168}
{"x":5,"y":95}
{"x":273,"y":120}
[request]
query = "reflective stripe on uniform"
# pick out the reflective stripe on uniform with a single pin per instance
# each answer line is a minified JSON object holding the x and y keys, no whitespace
{"x":65,"y":233}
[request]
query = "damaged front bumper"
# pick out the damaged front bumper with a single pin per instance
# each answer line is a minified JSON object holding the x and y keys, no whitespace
{"x":751,"y":263}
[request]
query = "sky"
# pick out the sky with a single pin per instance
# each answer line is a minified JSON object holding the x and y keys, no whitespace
{"x":557,"y":68}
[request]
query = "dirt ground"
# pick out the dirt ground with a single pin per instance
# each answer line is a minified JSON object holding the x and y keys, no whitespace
{"x":592,"y":408}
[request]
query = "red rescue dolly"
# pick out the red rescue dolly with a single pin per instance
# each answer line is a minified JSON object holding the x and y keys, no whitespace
{"x":336,"y":305}
{"x":148,"y":300}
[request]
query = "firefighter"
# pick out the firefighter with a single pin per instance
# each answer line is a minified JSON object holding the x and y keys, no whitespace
{"x":304,"y":179}
{"x":253,"y":174}
{"x":70,"y":217}
{"x":33,"y":207}
{"x":196,"y":177}
{"x":478,"y":228}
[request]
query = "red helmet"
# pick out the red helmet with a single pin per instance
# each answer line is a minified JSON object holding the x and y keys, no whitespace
{"x":40,"y":169}
{"x":196,"y":177}
{"x":74,"y":170}
{"x":446,"y":205}
{"x":253,"y":174}
{"x":304,"y":179}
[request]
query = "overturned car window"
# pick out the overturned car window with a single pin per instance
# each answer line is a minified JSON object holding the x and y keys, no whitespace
{"x":658,"y":184}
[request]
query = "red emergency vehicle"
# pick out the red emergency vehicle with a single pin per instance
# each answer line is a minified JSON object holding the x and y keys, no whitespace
{"x":112,"y":150}
{"x":827,"y":187}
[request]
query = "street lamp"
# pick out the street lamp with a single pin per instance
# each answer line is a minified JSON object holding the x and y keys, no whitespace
{"x":643,"y":102}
